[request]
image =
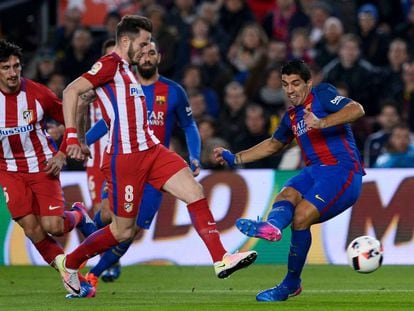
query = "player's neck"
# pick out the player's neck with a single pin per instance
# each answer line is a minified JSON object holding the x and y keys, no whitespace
{"x":150,"y":80}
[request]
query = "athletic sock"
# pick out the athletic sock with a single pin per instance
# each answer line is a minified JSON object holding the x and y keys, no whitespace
{"x":48,"y":249}
{"x":110,"y":257}
{"x":281,"y":214}
{"x":205,"y":226}
{"x":98,"y":221}
{"x":299,"y":248}
{"x":94,"y":244}
{"x":71,"y":220}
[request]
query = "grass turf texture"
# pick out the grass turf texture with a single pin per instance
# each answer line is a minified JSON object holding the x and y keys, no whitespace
{"x":143,"y":287}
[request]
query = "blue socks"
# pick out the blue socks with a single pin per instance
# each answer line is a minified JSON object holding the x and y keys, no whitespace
{"x":98,"y":221}
{"x":299,"y":248}
{"x":281,"y":214}
{"x":110,"y":257}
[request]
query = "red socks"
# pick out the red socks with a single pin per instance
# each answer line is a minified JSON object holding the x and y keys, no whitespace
{"x":205,"y":225}
{"x":70,"y":220}
{"x":49,"y":249}
{"x":94,"y":244}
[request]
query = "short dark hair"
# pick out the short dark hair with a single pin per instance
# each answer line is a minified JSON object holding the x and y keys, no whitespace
{"x":297,"y":67}
{"x":131,"y":25}
{"x":8,"y":49}
{"x":107,"y":44}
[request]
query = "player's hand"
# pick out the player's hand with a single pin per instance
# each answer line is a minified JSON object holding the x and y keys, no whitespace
{"x":311,"y":121}
{"x":195,"y":167}
{"x":224,"y":156}
{"x":85,"y":150}
{"x":74,"y":151}
{"x":55,"y":164}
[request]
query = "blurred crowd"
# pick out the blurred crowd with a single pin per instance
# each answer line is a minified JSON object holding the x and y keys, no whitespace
{"x":227,"y":55}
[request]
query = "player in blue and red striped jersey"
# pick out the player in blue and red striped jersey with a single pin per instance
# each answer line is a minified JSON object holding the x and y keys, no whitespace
{"x":167,"y":103}
{"x":329,"y":184}
{"x":133,"y":157}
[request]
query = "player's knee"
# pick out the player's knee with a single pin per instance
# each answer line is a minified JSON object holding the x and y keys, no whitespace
{"x":301,"y":222}
{"x":54,"y":229}
{"x":34,"y":233}
{"x":124,"y":234}
{"x":195,"y":193}
{"x":289,"y":194}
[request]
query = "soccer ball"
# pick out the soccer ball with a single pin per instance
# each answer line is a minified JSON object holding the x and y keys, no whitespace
{"x":365,"y":254}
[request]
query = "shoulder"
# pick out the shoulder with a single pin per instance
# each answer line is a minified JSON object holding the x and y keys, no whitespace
{"x":325,"y":88}
{"x":107,"y":62}
{"x":174,"y":86}
{"x":37,"y":88}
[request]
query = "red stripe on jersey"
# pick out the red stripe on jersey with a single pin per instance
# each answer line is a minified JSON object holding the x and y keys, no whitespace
{"x":294,"y":120}
{"x":320,"y":146}
{"x":160,"y":105}
{"x":348,"y":148}
{"x":14,"y":140}
{"x":37,"y":145}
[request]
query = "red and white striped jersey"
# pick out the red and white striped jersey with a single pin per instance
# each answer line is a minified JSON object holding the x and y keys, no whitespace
{"x":123,"y":105}
{"x":25,"y":145}
{"x":97,"y":149}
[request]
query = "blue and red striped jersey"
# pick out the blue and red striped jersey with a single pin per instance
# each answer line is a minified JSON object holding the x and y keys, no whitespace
{"x":329,"y":146}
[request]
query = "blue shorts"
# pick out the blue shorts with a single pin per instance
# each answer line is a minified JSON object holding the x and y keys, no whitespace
{"x":332,"y":188}
{"x":150,"y":204}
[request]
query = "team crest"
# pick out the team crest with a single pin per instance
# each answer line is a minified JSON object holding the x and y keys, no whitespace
{"x":128,"y":207}
{"x":95,"y":68}
{"x":160,"y":99}
{"x":28,"y":115}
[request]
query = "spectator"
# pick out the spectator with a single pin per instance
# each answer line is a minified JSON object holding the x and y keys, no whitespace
{"x":215,"y":73}
{"x":406,"y":97}
{"x":276,"y":53}
{"x":234,"y":14}
{"x":207,"y":128}
{"x":232,"y":115}
{"x":166,"y":37}
{"x":374,"y":43}
{"x":208,"y":161}
{"x":375,"y":142}
{"x":319,"y":12}
{"x":300,"y":46}
{"x":392,"y":82}
{"x":64,"y":33}
{"x":45,"y":65}
{"x":357,"y":74}
{"x":80,"y":56}
{"x":255,"y":130}
{"x":270,"y":95}
{"x":399,"y":150}
{"x":57,"y":83}
{"x":192,"y":82}
{"x":111,"y":20}
{"x":247,"y":55}
{"x":405,"y":30}
{"x":327,"y":48}
{"x":286,"y":16}
{"x":181,"y":16}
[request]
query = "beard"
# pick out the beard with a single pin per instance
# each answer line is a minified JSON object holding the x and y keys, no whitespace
{"x":147,"y":72}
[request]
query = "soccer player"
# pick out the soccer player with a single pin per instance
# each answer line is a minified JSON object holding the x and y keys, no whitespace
{"x":329,"y":184}
{"x":133,"y":157}
{"x":166,"y":102}
{"x":29,"y":162}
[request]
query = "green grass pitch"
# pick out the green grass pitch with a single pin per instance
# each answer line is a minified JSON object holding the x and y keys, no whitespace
{"x":142,"y":287}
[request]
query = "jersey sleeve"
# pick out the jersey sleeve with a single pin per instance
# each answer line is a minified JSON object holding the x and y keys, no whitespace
{"x":187,"y":123}
{"x":102,"y":71}
{"x":284,"y":133}
{"x":329,"y":98}
{"x":183,"y":109}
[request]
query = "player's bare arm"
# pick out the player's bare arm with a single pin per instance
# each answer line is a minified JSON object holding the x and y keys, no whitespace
{"x":262,"y":150}
{"x":83,"y":120}
{"x":70,"y":105}
{"x":351,"y":112}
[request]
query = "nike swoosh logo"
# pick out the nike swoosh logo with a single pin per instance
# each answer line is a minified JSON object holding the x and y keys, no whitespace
{"x":51,"y":208}
{"x":76,"y":291}
{"x":222,"y":265}
{"x":211,"y":223}
{"x":319,"y":198}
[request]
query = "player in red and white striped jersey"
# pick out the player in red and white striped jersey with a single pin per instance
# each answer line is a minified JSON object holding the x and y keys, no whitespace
{"x":29,"y":162}
{"x":134,"y":156}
